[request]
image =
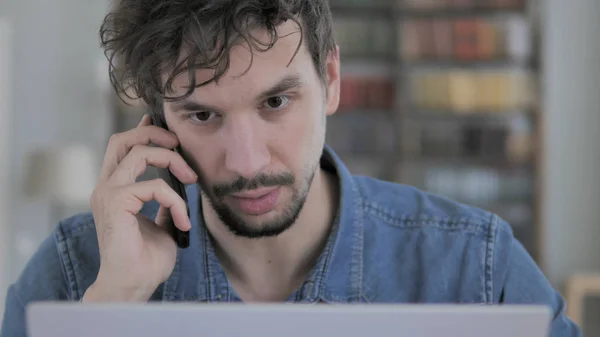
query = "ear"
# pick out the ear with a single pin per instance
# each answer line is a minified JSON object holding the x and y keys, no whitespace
{"x":333,"y":81}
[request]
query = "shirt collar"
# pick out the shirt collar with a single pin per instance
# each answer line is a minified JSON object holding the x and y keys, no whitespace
{"x":336,"y":277}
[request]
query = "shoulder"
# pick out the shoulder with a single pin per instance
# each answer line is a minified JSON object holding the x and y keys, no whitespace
{"x":457,"y":251}
{"x":406,"y":206}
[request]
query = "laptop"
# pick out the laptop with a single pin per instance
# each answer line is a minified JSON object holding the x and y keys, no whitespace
{"x":47,"y":319}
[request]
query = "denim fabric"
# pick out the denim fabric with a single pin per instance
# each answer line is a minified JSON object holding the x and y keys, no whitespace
{"x":391,"y":243}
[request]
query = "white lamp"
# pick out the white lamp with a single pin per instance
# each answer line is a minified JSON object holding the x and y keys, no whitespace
{"x":65,"y":177}
{"x":75,"y":175}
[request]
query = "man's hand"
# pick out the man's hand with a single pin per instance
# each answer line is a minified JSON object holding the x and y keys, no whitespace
{"x":137,"y":254}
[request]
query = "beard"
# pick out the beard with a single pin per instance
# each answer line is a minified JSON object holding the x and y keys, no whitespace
{"x":236,"y":224}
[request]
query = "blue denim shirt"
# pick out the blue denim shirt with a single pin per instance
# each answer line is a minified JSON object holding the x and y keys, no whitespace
{"x":390,"y":244}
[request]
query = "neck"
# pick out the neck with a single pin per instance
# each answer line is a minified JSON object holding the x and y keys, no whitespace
{"x":270,"y":269}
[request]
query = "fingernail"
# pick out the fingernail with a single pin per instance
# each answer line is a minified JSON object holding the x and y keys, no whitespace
{"x":143,"y":119}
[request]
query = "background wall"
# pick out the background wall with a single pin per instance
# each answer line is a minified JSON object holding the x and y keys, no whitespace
{"x":572,"y":158}
{"x":56,"y":100}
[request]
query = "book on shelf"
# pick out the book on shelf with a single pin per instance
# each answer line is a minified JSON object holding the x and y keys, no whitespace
{"x":441,"y":36}
{"x":506,"y":142}
{"x":467,"y":91}
{"x":366,"y":93}
{"x":357,"y":36}
{"x":360,"y":134}
{"x":465,"y":40}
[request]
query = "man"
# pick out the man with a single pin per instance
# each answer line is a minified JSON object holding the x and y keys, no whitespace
{"x":244,"y":88}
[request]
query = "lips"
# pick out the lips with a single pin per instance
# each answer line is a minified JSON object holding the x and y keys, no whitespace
{"x":256,"y":202}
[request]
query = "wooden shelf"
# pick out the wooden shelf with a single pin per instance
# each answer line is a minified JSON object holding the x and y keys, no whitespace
{"x":423,"y":113}
{"x":367,"y":57}
{"x":408,"y":13}
{"x":475,"y":64}
{"x":495,"y":162}
{"x":371,"y":112}
{"x":339,"y":9}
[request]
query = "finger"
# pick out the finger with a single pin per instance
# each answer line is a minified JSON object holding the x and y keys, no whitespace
{"x":140,"y":157}
{"x":162,"y":217}
{"x":146,"y":120}
{"x":157,"y":189}
{"x":120,"y":144}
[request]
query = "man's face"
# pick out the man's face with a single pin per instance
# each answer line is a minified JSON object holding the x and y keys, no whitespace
{"x":255,"y":138}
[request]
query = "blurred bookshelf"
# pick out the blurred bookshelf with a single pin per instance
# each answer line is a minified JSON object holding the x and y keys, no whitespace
{"x":443,"y":95}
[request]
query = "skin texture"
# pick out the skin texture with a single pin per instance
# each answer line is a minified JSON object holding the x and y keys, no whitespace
{"x":252,"y":141}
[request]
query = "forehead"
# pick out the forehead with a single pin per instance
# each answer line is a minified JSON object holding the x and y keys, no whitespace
{"x":251,"y":69}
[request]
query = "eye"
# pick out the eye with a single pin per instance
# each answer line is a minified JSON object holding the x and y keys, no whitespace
{"x":277,"y":102}
{"x":202,"y":116}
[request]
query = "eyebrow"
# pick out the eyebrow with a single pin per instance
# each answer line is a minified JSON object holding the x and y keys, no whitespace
{"x":189,"y":104}
{"x":287,"y":83}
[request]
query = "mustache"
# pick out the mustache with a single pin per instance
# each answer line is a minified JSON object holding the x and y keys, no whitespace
{"x":261,"y":180}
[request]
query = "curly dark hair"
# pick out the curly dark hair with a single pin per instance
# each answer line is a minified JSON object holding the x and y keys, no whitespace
{"x":144,"y":39}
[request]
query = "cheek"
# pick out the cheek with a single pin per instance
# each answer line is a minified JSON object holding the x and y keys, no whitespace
{"x":296,"y":141}
{"x":199,"y":154}
{"x":196,"y":146}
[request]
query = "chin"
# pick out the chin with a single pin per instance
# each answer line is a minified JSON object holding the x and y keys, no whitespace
{"x":269,"y":224}
{"x":259,"y":232}
{"x":255,"y":229}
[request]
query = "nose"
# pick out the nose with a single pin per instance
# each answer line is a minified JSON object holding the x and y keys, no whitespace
{"x":246,"y":151}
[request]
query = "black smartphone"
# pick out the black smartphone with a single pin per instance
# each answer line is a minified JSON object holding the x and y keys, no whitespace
{"x":181,"y":238}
